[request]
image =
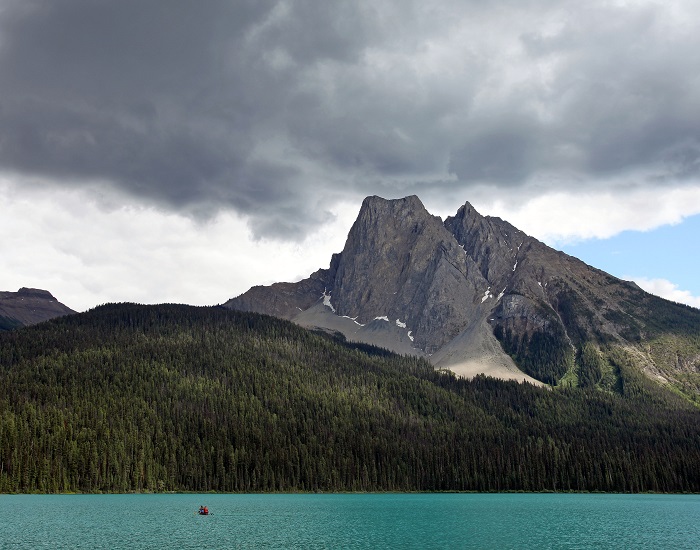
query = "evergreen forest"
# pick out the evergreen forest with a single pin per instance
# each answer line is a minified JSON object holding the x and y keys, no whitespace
{"x":127,"y":397}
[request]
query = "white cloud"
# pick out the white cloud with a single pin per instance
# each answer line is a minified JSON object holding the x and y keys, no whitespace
{"x":667,"y":289}
{"x":566,"y":217}
{"x":64,"y":242}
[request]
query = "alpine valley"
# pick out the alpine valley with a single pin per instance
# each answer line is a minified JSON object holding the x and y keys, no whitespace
{"x":517,"y":368}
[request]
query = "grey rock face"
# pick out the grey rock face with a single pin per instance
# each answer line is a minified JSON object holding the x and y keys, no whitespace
{"x":29,"y":306}
{"x":494,"y":245}
{"x":400,"y":262}
{"x":286,"y":300}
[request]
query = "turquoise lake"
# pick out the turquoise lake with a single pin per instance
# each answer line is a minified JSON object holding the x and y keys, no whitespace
{"x":482,"y":521}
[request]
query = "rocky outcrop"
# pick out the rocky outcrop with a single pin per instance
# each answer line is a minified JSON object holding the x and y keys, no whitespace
{"x":29,"y":306}
{"x":286,"y":300}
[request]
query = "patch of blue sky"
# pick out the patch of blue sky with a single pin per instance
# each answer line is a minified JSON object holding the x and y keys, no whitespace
{"x":670,"y":252}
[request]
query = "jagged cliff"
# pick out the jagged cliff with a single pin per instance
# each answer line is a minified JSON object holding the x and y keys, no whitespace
{"x":475,"y":294}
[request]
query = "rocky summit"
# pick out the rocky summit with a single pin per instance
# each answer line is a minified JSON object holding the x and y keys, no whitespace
{"x":29,"y":306}
{"x":476,"y":295}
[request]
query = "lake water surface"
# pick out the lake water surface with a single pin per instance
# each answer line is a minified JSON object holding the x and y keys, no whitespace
{"x":351,"y":521}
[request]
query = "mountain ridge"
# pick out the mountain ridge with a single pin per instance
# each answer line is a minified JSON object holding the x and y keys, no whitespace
{"x":474,"y":294}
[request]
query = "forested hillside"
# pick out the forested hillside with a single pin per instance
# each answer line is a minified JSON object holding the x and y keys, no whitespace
{"x":151,"y":398}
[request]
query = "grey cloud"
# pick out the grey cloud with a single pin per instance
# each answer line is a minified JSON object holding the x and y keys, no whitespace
{"x":506,"y":151}
{"x":611,"y":94}
{"x":274,"y":107}
{"x":311,"y":31}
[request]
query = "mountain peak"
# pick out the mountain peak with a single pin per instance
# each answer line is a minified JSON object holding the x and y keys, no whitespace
{"x":475,"y":294}
{"x":466,"y":210}
{"x":401,"y":214}
{"x":35,"y":292}
{"x":411,"y":200}
{"x":29,"y":306}
{"x":396,"y":258}
{"x":377,"y":210}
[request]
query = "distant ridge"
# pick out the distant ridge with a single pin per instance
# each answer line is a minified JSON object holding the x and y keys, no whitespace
{"x":477,"y":295}
{"x":29,"y":306}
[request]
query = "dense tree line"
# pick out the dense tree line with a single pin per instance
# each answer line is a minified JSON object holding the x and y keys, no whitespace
{"x":546,"y":355}
{"x":152,"y":398}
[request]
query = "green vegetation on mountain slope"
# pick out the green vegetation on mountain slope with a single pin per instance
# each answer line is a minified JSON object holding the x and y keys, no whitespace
{"x":654,"y":335}
{"x":150,"y":398}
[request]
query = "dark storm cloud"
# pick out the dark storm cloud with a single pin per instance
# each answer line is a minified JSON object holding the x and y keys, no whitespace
{"x":277,"y":108}
{"x":624,"y":96}
{"x":131,"y":92}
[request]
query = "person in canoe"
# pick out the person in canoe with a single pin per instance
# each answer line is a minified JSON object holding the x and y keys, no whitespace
{"x":203,"y":511}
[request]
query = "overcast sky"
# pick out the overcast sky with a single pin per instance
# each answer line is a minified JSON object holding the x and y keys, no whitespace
{"x":183,"y":151}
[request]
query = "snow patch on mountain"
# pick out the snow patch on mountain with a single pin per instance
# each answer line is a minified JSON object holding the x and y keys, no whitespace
{"x":487,"y":295}
{"x":327,"y":300}
{"x":353,"y":319}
